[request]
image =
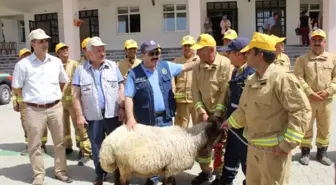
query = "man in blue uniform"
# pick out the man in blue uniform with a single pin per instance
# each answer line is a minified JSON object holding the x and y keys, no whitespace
{"x":236,"y":150}
{"x":149,"y":98}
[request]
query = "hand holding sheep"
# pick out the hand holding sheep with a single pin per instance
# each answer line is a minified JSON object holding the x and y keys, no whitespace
{"x":131,"y":122}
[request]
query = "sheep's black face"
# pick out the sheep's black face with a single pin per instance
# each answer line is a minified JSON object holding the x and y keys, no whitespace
{"x":215,"y":132}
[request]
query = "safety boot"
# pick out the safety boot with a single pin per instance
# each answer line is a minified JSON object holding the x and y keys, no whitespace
{"x":321,"y":156}
{"x":201,"y":178}
{"x":305,"y":156}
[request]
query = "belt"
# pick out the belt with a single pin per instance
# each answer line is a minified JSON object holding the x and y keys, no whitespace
{"x":45,"y":106}
{"x":158,"y":114}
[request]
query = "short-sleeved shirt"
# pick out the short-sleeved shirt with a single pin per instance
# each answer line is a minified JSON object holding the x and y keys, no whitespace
{"x":97,"y":77}
{"x":153,"y":77}
{"x":39,"y":80}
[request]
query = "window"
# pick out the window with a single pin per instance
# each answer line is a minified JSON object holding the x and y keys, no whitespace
{"x":22,"y":31}
{"x":175,"y":17}
{"x":129,"y":19}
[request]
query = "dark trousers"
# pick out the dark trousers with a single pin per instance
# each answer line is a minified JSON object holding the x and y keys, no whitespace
{"x":97,"y":130}
{"x":305,"y":36}
{"x":235,"y":154}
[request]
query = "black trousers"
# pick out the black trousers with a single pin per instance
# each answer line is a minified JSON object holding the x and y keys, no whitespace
{"x":235,"y":154}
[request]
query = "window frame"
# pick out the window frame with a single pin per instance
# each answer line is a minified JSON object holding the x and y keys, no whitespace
{"x":128,"y":16}
{"x":20,"y":31}
{"x":175,"y":17}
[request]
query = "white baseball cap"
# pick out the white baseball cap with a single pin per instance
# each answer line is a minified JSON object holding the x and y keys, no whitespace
{"x":38,"y":34}
{"x":94,"y":41}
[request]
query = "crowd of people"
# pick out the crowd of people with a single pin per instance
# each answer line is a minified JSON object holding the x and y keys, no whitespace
{"x":247,"y":86}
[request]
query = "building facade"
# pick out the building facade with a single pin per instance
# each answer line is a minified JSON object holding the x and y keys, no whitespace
{"x":165,"y":21}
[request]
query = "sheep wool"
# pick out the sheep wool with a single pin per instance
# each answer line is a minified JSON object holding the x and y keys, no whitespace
{"x":148,"y":150}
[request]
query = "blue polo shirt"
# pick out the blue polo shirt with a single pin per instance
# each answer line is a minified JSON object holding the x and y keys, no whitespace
{"x":97,"y":77}
{"x":153,"y":77}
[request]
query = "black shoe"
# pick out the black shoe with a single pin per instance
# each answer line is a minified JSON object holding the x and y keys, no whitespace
{"x":68,"y":151}
{"x":83,"y":161}
{"x":215,"y":182}
{"x":321,"y":156}
{"x":305,"y":155}
{"x":201,"y":178}
{"x":151,"y":182}
{"x":44,"y":149}
{"x":80,"y":155}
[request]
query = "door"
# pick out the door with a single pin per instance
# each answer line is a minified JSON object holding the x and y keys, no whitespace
{"x":215,"y":12}
{"x":265,"y":10}
{"x":32,"y":26}
{"x":90,"y":26}
{"x":49,"y":23}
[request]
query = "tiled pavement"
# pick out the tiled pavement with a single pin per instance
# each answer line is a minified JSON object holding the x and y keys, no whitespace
{"x":15,"y":169}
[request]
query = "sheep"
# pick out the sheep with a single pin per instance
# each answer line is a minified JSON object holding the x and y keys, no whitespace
{"x":148,"y":151}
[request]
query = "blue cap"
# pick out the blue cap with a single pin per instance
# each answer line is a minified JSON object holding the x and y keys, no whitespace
{"x":236,"y":44}
{"x":149,"y":45}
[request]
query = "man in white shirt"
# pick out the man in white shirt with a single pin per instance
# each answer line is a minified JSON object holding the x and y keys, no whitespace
{"x":38,"y":79}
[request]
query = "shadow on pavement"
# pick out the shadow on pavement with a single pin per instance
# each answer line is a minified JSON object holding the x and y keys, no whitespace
{"x":330,"y":154}
{"x":22,"y":173}
{"x":14,"y":149}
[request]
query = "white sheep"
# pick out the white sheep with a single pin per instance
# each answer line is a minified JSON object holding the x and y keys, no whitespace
{"x":148,"y":151}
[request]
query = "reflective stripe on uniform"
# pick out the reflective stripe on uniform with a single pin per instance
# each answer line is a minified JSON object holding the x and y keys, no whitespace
{"x":44,"y":139}
{"x":78,"y":138}
{"x":19,"y":99}
{"x":67,"y":98}
{"x":204,"y":160}
{"x":179,"y":95}
{"x":306,"y":141}
{"x":67,"y":137}
{"x":271,"y":141}
{"x":293,"y":136}
{"x":234,"y":105}
{"x":233,"y":123}
{"x":26,"y":140}
{"x":322,"y":141}
{"x":199,"y":105}
{"x":231,"y":169}
{"x":220,"y":107}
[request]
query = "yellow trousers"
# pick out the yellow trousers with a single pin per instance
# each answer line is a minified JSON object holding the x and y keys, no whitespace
{"x":266,"y":168}
{"x":44,"y":138}
{"x":183,"y":112}
{"x":82,"y":139}
{"x":321,"y":112}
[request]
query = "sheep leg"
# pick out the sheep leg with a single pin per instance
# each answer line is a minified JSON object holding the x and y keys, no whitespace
{"x":124,"y":177}
{"x":169,"y":181}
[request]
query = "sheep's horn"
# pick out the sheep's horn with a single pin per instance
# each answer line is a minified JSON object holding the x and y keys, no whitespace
{"x":219,"y":137}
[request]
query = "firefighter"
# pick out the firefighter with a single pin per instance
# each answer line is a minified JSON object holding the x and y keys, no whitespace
{"x":209,"y":87}
{"x":85,"y":53}
{"x":19,"y":106}
{"x":131,"y":60}
{"x":82,"y":140}
{"x":316,"y":72}
{"x":235,"y":151}
{"x":182,"y":86}
{"x":229,"y":35}
{"x":281,"y":59}
{"x":274,"y":112}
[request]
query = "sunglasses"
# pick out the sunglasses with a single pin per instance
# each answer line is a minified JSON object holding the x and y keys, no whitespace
{"x":154,"y":53}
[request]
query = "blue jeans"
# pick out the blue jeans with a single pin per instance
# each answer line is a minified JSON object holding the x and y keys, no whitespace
{"x":96,"y":131}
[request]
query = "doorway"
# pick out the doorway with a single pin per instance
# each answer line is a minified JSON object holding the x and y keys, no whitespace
{"x":265,"y":10}
{"x":90,"y":26}
{"x":49,"y":23}
{"x":215,"y":12}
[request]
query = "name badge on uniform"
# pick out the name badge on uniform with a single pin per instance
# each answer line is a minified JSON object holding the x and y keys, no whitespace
{"x":164,"y":71}
{"x":139,"y":80}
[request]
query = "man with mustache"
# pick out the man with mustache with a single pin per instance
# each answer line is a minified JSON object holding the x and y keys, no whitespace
{"x":149,"y":98}
{"x":39,"y":79}
{"x":317,"y":74}
{"x":98,"y":99}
